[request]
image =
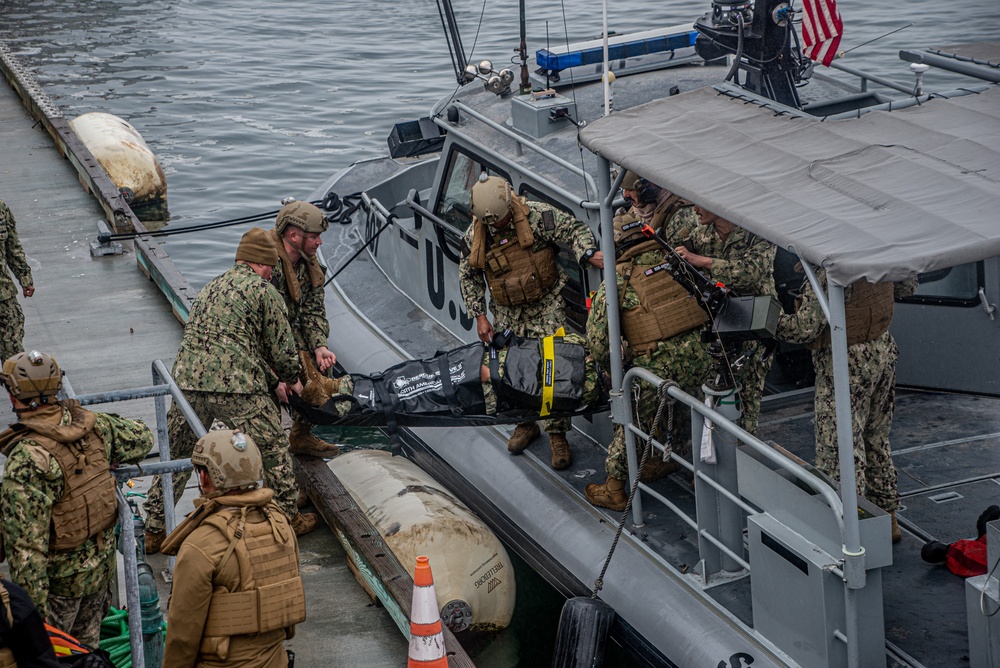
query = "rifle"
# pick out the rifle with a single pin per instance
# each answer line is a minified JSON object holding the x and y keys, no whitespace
{"x":733,"y":319}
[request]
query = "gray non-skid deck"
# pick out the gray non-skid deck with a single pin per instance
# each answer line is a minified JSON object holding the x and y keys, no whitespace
{"x":105,"y":323}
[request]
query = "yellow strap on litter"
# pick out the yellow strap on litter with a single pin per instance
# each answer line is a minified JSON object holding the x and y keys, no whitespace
{"x":549,"y":371}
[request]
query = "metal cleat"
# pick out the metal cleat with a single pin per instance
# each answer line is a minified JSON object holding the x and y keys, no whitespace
{"x":104,"y":244}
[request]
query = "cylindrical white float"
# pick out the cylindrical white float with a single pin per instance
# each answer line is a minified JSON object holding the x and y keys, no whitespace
{"x":415,"y":515}
{"x":131,"y":166}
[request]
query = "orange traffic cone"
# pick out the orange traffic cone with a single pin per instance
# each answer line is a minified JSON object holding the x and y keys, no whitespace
{"x":426,"y":636}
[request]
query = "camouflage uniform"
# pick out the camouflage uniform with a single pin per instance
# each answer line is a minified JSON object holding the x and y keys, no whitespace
{"x":744,"y":262}
{"x":307,"y":314}
{"x":72,"y":587}
{"x":872,"y":371}
{"x":237,"y":345}
{"x":536,"y":319}
{"x":682,"y":358}
{"x":12,"y":257}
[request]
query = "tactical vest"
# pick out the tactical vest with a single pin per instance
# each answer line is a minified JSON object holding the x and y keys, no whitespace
{"x":516,"y":273}
{"x":6,"y":655}
{"x":271,"y":594}
{"x":88,"y":504}
{"x":628,"y":226}
{"x":665,"y":308}
{"x":868,"y":313}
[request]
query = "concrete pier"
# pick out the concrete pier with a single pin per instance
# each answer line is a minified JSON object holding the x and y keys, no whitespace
{"x":105,"y":323}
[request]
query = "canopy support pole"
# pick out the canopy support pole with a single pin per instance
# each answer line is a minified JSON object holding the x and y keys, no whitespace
{"x":853,"y":552}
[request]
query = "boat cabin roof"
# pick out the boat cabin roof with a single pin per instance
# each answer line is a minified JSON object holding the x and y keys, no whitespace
{"x":877,"y":197}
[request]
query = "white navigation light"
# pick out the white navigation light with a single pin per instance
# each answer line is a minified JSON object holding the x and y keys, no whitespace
{"x":485,"y":67}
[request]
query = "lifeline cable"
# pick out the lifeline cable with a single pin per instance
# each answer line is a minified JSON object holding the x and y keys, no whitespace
{"x":380,"y":230}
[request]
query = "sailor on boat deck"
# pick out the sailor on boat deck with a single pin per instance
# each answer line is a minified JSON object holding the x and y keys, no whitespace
{"x":12,"y":259}
{"x":871,"y":359}
{"x":744,"y":262}
{"x":661,"y":326}
{"x":511,"y":247}
{"x":299,"y":277}
{"x":231,"y":378}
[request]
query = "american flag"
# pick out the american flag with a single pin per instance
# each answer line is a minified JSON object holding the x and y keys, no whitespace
{"x":821,"y":30}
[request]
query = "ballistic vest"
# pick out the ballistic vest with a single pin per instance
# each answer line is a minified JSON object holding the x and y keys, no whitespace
{"x":271,"y":595}
{"x":88,"y":504}
{"x":868,"y":313}
{"x":6,"y":655}
{"x":516,"y":273}
{"x":665,"y":308}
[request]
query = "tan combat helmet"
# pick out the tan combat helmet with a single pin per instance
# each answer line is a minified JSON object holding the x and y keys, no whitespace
{"x":303,"y":215}
{"x":31,"y":376}
{"x":490,"y":199}
{"x":231,"y":459}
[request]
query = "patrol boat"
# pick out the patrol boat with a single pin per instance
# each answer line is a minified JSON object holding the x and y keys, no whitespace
{"x":751,"y":560}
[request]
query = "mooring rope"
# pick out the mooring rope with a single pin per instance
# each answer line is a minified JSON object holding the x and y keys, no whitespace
{"x":665,"y":400}
{"x":333,"y":203}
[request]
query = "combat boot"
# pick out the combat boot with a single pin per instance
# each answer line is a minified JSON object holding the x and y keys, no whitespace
{"x":301,"y":441}
{"x":522,"y":437}
{"x":897,"y":535}
{"x":303,"y":523}
{"x":561,"y":457}
{"x":656,"y":468}
{"x":153,"y":541}
{"x":303,"y":499}
{"x":609,"y":495}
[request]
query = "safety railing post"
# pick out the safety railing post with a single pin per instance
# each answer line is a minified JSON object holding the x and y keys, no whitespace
{"x":128,"y":547}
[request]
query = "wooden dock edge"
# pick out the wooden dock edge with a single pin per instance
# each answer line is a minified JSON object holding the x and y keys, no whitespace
{"x":151,"y":258}
{"x":375,"y":563}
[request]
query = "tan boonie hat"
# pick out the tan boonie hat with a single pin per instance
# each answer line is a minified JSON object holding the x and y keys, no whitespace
{"x":302,"y":215}
{"x":256,"y":246}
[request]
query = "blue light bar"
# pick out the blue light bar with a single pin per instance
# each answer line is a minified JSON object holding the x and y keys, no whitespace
{"x":556,"y":62}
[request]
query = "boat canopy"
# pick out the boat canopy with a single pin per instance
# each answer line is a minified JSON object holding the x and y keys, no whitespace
{"x":878,"y":197}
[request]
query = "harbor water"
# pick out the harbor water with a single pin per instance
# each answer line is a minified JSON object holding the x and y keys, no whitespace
{"x":245,"y":102}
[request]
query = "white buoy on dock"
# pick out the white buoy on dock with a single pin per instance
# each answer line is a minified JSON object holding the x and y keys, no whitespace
{"x":124,"y":155}
{"x":417,"y":516}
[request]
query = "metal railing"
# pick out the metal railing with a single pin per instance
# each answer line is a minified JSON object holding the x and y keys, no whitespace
{"x":162,"y":386}
{"x":720,"y":526}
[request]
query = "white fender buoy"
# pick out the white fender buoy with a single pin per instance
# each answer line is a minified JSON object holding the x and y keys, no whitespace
{"x":417,"y":516}
{"x":124,"y":155}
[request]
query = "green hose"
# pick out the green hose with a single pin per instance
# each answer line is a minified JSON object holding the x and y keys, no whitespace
{"x":115,"y":637}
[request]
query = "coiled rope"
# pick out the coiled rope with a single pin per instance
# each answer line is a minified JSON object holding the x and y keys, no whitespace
{"x":115,"y":637}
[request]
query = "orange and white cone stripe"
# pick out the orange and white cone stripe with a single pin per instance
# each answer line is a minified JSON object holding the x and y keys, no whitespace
{"x":426,"y":635}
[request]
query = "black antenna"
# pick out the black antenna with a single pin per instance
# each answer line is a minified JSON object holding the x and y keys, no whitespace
{"x":454,"y":39}
{"x":550,"y":51}
{"x":522,"y":51}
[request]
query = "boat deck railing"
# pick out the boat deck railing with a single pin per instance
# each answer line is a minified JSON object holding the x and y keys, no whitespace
{"x":721,"y":508}
{"x":163,"y":385}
